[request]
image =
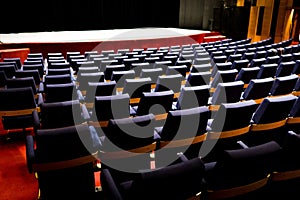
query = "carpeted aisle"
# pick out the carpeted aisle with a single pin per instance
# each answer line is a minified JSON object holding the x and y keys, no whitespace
{"x":16,"y":183}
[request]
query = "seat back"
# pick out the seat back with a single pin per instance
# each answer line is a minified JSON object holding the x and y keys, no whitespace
{"x":267,"y":70}
{"x":137,"y":67}
{"x":57,"y":79}
{"x":221,"y":66}
{"x":111,"y":107}
{"x":228,"y":92}
{"x":184,"y":131}
{"x":246,"y":74}
{"x":22,"y":82}
{"x":233,"y":116}
{"x":194,"y":96}
{"x":285,"y":68}
{"x":272,"y":59}
{"x":198,"y":78}
{"x":29,"y":73}
{"x":112,"y":67}
{"x":177,"y":69}
{"x":64,"y":65}
{"x":189,"y":173}
{"x":258,"y":88}
{"x":16,"y":115}
{"x":59,"y":145}
{"x":257,"y":62}
{"x":39,"y":67}
{"x":152,"y":73}
{"x":136,"y":87}
{"x":223,"y":77}
{"x":273,"y":109}
{"x":17,"y":60}
{"x":201,"y":67}
{"x":284,"y":85}
{"x":9,"y":70}
{"x":10,"y":99}
{"x":60,"y":92}
{"x":121,"y":76}
{"x":239,"y":64}
{"x":60,"y":114}
{"x":100,"y":89}
{"x":129,"y":133}
{"x":149,"y":99}
{"x":3,"y":79}
{"x":169,"y":82}
{"x":248,"y":169}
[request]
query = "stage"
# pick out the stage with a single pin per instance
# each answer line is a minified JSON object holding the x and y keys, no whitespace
{"x":65,"y":41}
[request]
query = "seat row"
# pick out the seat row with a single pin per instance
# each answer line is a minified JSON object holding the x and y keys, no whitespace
{"x":186,"y":132}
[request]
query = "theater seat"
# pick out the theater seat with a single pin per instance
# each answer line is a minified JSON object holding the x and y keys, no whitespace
{"x":158,"y":184}
{"x":16,"y":115}
{"x":64,"y":161}
{"x":183,"y":132}
{"x":241,"y":173}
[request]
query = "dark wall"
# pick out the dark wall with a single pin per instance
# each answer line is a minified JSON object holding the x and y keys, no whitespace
{"x":59,"y":15}
{"x":232,"y":21}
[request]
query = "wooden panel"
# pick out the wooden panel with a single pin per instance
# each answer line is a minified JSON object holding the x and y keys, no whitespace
{"x":14,"y":53}
{"x":267,"y":21}
{"x":283,"y":24}
{"x":240,"y":3}
{"x":252,"y":22}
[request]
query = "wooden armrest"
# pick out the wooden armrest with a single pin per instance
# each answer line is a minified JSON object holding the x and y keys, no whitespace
{"x":213,"y":107}
{"x":127,"y":153}
{"x":161,"y":116}
{"x":257,"y":101}
{"x":99,"y":124}
{"x":183,"y":142}
{"x":176,"y":95}
{"x":282,"y":176}
{"x":228,"y":134}
{"x":119,"y":89}
{"x":83,"y":92}
{"x":19,"y":112}
{"x":227,"y":193}
{"x":135,"y":100}
{"x":263,"y":127}
{"x":89,"y":105}
{"x":293,"y":120}
{"x":296,"y":93}
{"x":42,"y":167}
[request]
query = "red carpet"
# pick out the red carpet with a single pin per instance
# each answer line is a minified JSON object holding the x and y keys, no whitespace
{"x":16,"y":182}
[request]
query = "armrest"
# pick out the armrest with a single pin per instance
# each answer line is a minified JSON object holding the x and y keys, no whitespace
{"x":30,"y":157}
{"x":156,"y":136}
{"x":40,"y":99}
{"x":174,"y":105}
{"x":85,"y":112}
{"x":80,"y":96}
{"x":36,"y":119}
{"x":41,"y":88}
{"x":242,"y":144}
{"x":109,"y":186}
{"x":182,"y":157}
{"x":96,"y":140}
